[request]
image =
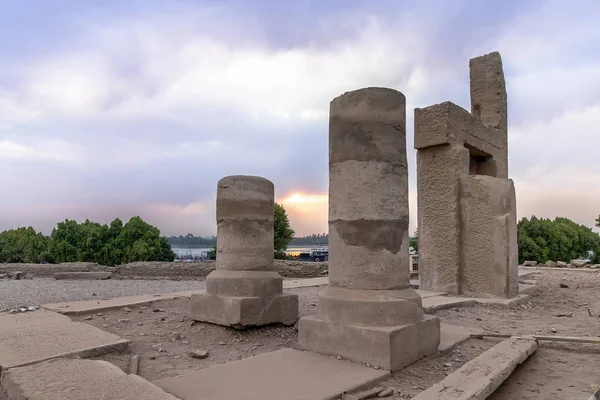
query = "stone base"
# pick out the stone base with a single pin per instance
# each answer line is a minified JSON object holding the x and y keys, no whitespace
{"x":388,"y":347}
{"x":242,"y":312}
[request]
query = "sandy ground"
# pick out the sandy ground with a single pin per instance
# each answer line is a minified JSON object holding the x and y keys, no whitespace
{"x":163,"y":338}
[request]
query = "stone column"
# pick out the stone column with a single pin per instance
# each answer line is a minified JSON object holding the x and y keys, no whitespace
{"x":369,"y":313}
{"x":244,"y":290}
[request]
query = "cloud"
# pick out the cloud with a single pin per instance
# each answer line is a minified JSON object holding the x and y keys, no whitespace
{"x":141,"y":108}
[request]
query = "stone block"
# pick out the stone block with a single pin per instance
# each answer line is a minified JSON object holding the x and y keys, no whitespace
{"x":66,"y":379}
{"x":388,"y":347}
{"x":489,"y":241}
{"x":94,"y":276}
{"x":27,"y":340}
{"x":280,"y":375}
{"x":241,"y":312}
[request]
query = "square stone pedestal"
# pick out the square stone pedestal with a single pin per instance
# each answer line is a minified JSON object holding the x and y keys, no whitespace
{"x":388,"y":347}
{"x":240,"y":312}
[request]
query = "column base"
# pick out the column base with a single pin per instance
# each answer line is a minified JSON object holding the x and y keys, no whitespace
{"x":243,"y":312}
{"x":388,"y":347}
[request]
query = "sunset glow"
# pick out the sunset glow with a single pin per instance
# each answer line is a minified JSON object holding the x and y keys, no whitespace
{"x":307,"y":212}
{"x":300,"y":198}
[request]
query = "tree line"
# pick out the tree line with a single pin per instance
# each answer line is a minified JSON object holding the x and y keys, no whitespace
{"x":88,"y":241}
{"x":557,"y":240}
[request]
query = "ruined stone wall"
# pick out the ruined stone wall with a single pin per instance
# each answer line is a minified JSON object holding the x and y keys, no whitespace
{"x":158,"y":270}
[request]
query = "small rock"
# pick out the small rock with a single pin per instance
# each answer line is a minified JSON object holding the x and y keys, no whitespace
{"x":448,"y":365}
{"x":123,"y":320}
{"x":530,"y":263}
{"x":161,"y":350}
{"x":140,"y":312}
{"x":17,"y":275}
{"x":99,"y":314}
{"x":163,"y":319}
{"x":94,"y":294}
{"x":553,"y":330}
{"x":563,"y":285}
{"x":152,"y":357}
{"x":140,"y":323}
{"x":339,"y":357}
{"x":564,"y":315}
{"x":222,"y":343}
{"x":142,"y":334}
{"x":385,"y":393}
{"x":126,"y":309}
{"x":158,"y":310}
{"x":185,"y":342}
{"x":178,"y":336}
{"x":478,"y":319}
{"x":200,"y":354}
{"x":88,"y":318}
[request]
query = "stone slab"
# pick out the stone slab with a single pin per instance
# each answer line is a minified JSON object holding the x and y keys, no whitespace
{"x":281,"y":375}
{"x":91,"y":306}
{"x":95,"y":276}
{"x":534,"y":269}
{"x":307,"y":282}
{"x":453,"y":335}
{"x":428,"y":293}
{"x":65,"y":379}
{"x":505,"y":303}
{"x":27,"y":340}
{"x":478,"y":378}
{"x":436,"y":303}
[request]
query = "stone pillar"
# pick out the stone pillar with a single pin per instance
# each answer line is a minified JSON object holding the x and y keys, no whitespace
{"x":466,"y":204}
{"x":244,"y":290}
{"x":369,"y":313}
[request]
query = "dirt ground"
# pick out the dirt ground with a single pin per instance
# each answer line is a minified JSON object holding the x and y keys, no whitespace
{"x":163,"y":335}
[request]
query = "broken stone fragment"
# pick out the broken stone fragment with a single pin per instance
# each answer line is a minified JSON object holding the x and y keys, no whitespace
{"x":385,"y":393}
{"x":530,"y":263}
{"x":199,"y":354}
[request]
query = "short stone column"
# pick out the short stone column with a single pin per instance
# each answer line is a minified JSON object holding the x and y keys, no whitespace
{"x":369,"y":313}
{"x":244,"y":290}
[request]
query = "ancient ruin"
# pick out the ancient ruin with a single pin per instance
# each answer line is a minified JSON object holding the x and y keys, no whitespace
{"x":368,"y":313}
{"x":466,"y":203}
{"x":244,"y":290}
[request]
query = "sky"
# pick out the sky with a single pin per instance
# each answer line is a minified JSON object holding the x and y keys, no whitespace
{"x":117,"y":108}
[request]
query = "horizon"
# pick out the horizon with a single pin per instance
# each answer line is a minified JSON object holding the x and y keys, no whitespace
{"x":122,"y":108}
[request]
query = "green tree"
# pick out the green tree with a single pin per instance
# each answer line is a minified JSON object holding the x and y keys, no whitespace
{"x":559,"y":240}
{"x":22,"y":245}
{"x":283,"y":232}
{"x":414,"y":241}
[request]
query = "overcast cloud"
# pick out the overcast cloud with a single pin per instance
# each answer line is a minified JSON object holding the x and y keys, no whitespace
{"x":122,"y":108}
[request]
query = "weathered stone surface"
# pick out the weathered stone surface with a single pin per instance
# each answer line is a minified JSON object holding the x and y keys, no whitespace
{"x":42,"y":335}
{"x":95,"y":276}
{"x":530,"y":263}
{"x":579,"y":263}
{"x":466,"y":204}
{"x":283,"y":374}
{"x":478,"y":378}
{"x":550,"y":264}
{"x":66,"y":379}
{"x":561,"y":264}
{"x":245,"y":290}
{"x":369,"y":313}
{"x":489,"y":238}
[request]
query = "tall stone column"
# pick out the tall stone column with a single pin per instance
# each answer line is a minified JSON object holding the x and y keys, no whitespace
{"x":369,"y":313}
{"x":244,"y":290}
